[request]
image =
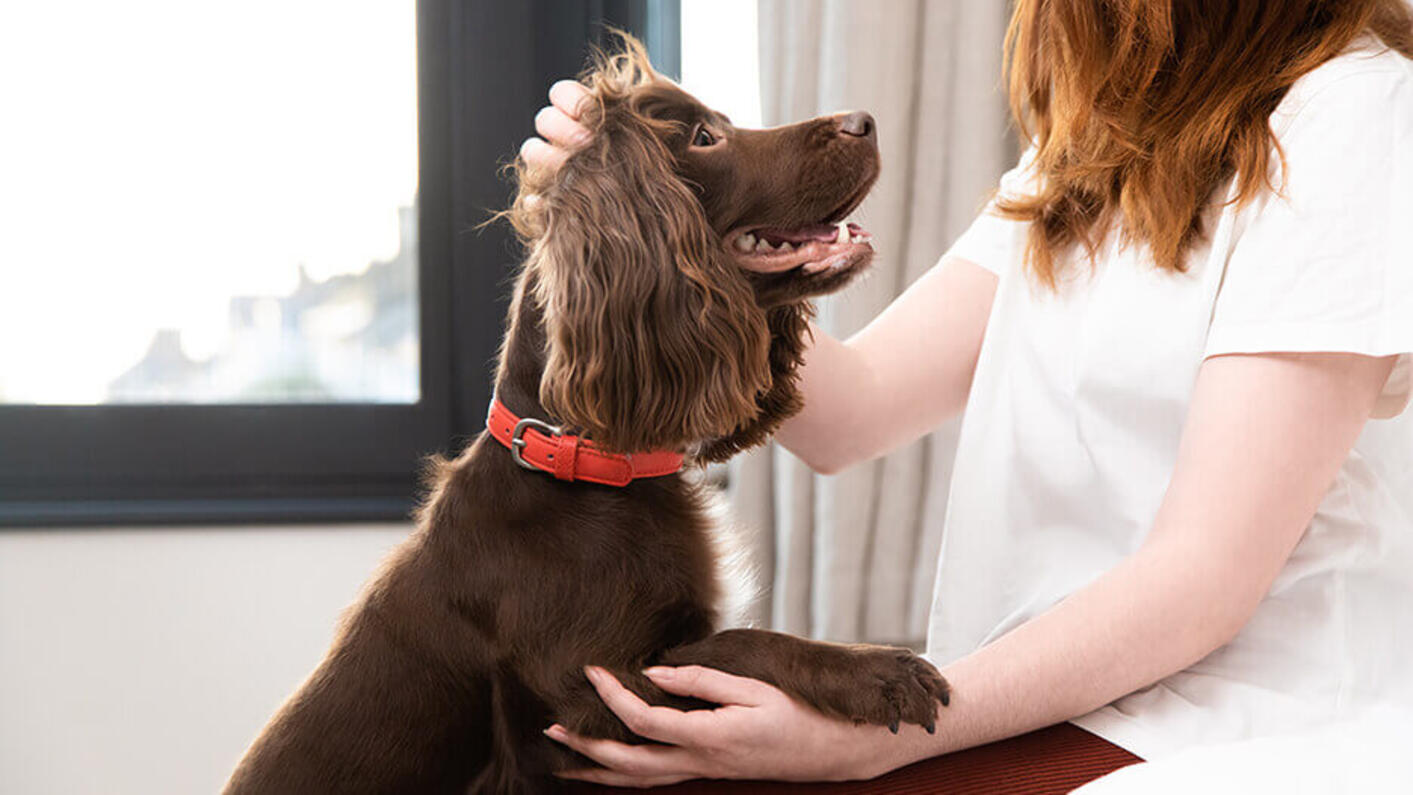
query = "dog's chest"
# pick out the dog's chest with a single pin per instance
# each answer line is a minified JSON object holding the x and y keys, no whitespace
{"x":737,"y":584}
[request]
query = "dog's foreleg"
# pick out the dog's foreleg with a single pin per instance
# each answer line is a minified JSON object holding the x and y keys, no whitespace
{"x":881,"y":685}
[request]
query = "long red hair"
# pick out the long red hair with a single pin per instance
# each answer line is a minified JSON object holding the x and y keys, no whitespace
{"x":1140,"y":109}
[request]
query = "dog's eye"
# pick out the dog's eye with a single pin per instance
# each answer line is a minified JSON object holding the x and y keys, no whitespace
{"x":703,"y":137}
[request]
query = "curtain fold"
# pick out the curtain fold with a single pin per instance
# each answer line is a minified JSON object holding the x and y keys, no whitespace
{"x":852,"y":556}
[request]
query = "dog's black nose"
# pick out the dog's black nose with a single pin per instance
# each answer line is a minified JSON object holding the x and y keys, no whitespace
{"x":857,"y":124}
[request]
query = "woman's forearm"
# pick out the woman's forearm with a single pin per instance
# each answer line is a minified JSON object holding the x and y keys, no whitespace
{"x":1264,"y":438}
{"x":1136,"y":624}
{"x":839,"y":384}
{"x":903,"y":375}
{"x":1133,"y":626}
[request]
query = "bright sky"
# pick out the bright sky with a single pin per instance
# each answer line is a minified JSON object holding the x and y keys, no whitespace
{"x":159,"y":156}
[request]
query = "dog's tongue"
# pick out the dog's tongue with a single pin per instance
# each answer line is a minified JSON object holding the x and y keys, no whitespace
{"x":824,"y":233}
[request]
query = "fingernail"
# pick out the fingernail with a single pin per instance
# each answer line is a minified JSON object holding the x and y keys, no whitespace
{"x":658,"y":672}
{"x":591,"y":672}
{"x":557,"y":732}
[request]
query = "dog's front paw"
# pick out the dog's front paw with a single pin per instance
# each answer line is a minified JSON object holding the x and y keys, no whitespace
{"x":890,"y":686}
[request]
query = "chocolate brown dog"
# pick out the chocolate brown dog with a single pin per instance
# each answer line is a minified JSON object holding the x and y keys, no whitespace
{"x":661,"y":313}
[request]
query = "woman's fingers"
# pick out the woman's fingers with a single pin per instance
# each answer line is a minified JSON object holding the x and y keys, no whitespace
{"x":709,"y":684}
{"x":613,"y":778}
{"x":559,"y":129}
{"x":663,"y":724}
{"x":610,"y":778}
{"x":569,"y":96}
{"x":541,"y":155}
{"x":631,"y":761}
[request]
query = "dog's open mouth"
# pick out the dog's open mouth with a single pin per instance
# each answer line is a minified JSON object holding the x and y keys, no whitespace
{"x":815,"y":248}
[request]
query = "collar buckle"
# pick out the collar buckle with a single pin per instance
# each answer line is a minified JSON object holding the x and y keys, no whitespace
{"x":517,"y":439}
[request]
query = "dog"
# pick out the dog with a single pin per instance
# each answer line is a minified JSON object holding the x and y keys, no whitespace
{"x":658,"y":322}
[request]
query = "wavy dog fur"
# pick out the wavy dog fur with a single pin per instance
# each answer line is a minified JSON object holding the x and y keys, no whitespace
{"x":654,"y":340}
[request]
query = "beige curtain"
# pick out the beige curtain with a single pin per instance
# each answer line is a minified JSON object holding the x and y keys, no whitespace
{"x":852,"y":557}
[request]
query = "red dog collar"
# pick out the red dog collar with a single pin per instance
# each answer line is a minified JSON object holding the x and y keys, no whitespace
{"x":540,"y":446}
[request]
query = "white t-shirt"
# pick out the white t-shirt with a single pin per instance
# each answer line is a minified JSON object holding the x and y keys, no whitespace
{"x":1071,"y":430}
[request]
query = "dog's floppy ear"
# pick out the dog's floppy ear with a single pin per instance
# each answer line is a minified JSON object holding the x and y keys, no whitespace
{"x":653,"y":337}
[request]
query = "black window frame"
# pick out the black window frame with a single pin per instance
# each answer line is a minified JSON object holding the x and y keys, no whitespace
{"x":483,"y":69}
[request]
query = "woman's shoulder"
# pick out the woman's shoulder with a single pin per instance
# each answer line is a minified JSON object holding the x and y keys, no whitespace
{"x":1367,"y":80}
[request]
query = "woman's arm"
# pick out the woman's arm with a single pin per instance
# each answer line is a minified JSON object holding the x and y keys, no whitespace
{"x":899,"y":378}
{"x":1264,"y":438}
{"x":903,"y":375}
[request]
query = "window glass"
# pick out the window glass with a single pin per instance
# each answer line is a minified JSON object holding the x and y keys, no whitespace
{"x":208,"y":202}
{"x":726,"y":78}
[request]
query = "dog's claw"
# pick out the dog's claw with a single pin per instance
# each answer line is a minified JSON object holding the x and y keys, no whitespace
{"x":893,"y":727}
{"x":946,"y":698}
{"x":931,"y":727}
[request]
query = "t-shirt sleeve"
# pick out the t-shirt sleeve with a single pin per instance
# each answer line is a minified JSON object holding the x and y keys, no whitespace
{"x":993,"y":241}
{"x":1326,"y":263}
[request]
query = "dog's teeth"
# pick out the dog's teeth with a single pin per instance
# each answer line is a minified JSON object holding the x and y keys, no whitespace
{"x":745,"y":242}
{"x":785,"y":246}
{"x":763,"y":247}
{"x":858,"y":239}
{"x":843,"y":234}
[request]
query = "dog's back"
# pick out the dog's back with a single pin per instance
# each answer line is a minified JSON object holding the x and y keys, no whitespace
{"x":391,"y":708}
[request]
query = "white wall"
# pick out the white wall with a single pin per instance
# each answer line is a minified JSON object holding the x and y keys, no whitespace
{"x":144,"y":661}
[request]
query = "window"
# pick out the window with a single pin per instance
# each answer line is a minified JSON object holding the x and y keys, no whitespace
{"x":241,"y":277}
{"x":726,"y":81}
{"x":231,"y":209}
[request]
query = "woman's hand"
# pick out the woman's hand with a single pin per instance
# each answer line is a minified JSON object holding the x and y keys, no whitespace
{"x":757,"y":733}
{"x":559,"y":123}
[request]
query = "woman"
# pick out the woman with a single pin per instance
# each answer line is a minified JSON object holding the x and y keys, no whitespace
{"x":1183,"y":511}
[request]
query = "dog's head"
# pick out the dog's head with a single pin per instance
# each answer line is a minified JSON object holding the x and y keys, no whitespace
{"x":672,"y":258}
